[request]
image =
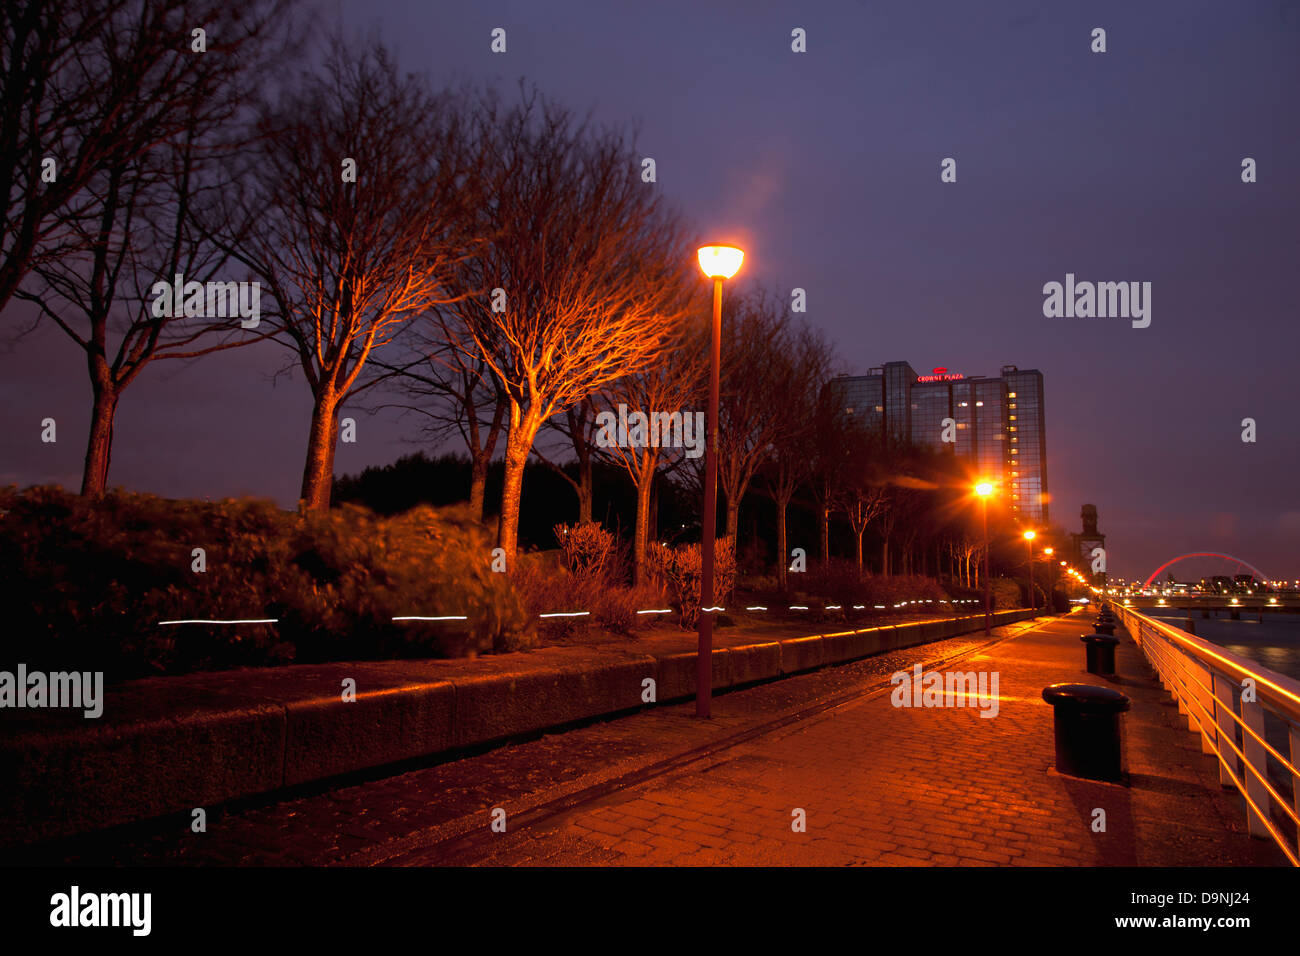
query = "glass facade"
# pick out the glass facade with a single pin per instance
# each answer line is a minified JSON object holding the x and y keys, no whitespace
{"x":1000,"y":426}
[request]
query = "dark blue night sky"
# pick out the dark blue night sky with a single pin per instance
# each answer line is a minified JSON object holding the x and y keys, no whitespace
{"x":825,"y":167}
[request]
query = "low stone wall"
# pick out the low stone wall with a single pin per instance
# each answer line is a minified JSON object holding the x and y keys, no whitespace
{"x":205,"y":739}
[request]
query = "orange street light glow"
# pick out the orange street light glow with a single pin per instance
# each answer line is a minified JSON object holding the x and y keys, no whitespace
{"x":984,"y":489}
{"x":720,"y":262}
{"x":1029,"y":536}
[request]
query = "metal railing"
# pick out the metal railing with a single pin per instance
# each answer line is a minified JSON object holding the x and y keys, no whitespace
{"x":1236,"y":705}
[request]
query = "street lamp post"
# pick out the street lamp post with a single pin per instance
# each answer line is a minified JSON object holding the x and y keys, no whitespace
{"x":718,"y":263}
{"x":984,"y":489}
{"x":1029,"y":540}
{"x":1051,"y":579}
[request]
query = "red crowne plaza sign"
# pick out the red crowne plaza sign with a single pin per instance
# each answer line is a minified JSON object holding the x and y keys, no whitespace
{"x":941,"y":375}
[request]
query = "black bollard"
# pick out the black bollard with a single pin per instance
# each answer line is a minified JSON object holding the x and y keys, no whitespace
{"x":1105,"y":627}
{"x":1100,"y":653}
{"x":1188,"y":626}
{"x":1087,"y":722}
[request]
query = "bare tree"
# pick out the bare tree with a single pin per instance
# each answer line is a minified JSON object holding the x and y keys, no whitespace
{"x":92,"y":85}
{"x":756,"y":383}
{"x":362,"y":198}
{"x":577,"y":424}
{"x":453,"y":393}
{"x":806,"y":369}
{"x":861,"y":493}
{"x":831,"y":461}
{"x":669,"y":388}
{"x":585,"y":266}
{"x":135,"y":224}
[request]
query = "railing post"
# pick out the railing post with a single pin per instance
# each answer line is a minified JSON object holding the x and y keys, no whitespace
{"x":1180,"y":683}
{"x":1227,"y":731}
{"x":1295,"y":777}
{"x":1252,"y":715}
{"x":1205,"y":699}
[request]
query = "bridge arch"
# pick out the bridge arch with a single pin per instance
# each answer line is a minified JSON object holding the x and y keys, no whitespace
{"x":1205,"y":554}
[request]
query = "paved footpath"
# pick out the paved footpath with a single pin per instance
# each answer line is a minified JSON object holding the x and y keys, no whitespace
{"x":884,"y":785}
{"x":879,"y":785}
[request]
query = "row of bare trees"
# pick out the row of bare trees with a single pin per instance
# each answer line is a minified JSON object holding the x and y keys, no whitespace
{"x":503,"y":255}
{"x":493,"y":267}
{"x":119,"y":121}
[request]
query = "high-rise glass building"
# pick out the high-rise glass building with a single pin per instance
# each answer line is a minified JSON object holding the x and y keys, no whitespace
{"x":999,"y":423}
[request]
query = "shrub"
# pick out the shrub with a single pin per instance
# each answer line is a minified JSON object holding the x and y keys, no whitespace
{"x":840,"y":582}
{"x":589,"y":551}
{"x":616,"y":608}
{"x":88,"y":581}
{"x":1005,"y":593}
{"x":680,"y":569}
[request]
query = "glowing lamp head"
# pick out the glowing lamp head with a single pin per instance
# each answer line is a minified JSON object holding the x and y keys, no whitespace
{"x":984,"y":489}
{"x":1048,"y":552}
{"x":720,"y":262}
{"x":1029,"y":536}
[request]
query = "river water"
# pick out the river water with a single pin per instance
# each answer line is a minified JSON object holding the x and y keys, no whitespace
{"x":1275,"y":643}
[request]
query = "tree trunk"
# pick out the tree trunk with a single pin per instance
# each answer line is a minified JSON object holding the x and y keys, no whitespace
{"x":642,"y":537}
{"x":518,"y":443}
{"x":733,"y":516}
{"x":826,"y":535}
{"x":652,"y":526}
{"x":860,"y":534}
{"x":318,"y":472}
{"x":884,"y":556}
{"x":478,"y":485}
{"x":99,"y":447}
{"x":782,"y":544}
{"x":585,"y":489}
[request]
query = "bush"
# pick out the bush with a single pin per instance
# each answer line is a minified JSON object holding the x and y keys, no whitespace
{"x":616,"y":608}
{"x":679,"y":570}
{"x":87,"y":583}
{"x":1006,"y":594}
{"x":840,"y":582}
{"x":589,"y":551}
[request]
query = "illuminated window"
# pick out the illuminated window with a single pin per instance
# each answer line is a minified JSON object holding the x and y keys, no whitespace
{"x":1011,"y":394}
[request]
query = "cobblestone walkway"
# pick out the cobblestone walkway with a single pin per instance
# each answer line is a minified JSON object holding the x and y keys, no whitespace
{"x":879,"y":784}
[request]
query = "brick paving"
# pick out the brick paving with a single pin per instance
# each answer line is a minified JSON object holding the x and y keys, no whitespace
{"x":883,"y":785}
{"x":879,"y":785}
